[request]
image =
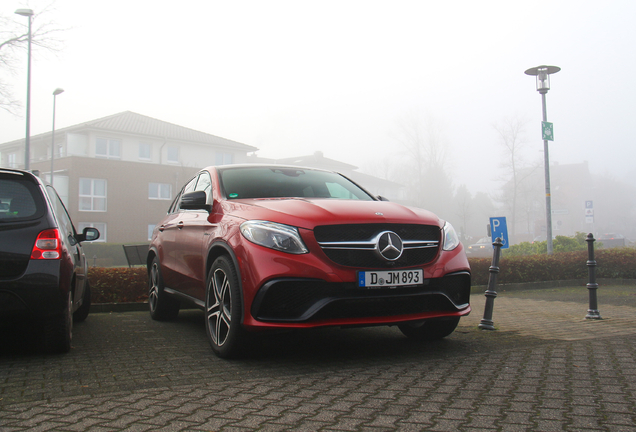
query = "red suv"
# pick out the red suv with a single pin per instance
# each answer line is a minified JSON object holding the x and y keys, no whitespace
{"x":280,"y":247}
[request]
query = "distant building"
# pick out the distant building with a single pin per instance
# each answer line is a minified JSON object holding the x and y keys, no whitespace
{"x":580,"y":201}
{"x":120,"y":173}
{"x":571,"y":185}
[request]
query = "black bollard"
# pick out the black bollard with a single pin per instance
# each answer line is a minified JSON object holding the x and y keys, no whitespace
{"x":592,"y":312}
{"x":491,"y":293}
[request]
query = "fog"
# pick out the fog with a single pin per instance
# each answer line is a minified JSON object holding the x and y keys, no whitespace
{"x":343,"y":77}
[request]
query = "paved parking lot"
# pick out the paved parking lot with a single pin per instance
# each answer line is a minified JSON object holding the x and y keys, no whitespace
{"x":544,"y":368}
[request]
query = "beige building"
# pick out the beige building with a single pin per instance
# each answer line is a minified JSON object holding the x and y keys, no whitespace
{"x":120,"y":173}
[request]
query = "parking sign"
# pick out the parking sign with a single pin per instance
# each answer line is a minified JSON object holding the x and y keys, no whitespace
{"x":498,"y":228}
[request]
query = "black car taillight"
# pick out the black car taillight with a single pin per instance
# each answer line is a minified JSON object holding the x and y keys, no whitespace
{"x":47,"y":245}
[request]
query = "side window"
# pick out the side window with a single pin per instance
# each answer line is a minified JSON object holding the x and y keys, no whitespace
{"x":189,"y":187}
{"x":174,"y":206}
{"x":61,"y":214}
{"x":204,"y":184}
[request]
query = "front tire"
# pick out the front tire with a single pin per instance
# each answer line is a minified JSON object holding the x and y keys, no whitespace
{"x":223,"y":310}
{"x":429,"y":330}
{"x":162,"y":307}
{"x":81,"y":313}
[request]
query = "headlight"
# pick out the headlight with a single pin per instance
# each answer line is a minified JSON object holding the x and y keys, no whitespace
{"x":451,"y":241}
{"x":272,"y":235}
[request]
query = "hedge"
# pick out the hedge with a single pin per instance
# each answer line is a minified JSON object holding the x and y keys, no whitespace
{"x":123,"y":284}
{"x":118,"y":284}
{"x":616,"y":263}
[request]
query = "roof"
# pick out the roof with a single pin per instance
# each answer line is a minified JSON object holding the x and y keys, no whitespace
{"x":318,"y":160}
{"x":132,"y":123}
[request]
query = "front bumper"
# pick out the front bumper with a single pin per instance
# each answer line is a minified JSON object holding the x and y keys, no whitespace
{"x":310,"y":302}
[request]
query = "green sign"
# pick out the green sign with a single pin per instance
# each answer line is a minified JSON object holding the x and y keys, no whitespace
{"x":547,"y":131}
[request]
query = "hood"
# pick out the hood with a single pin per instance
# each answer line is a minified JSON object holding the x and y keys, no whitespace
{"x":308,"y":213}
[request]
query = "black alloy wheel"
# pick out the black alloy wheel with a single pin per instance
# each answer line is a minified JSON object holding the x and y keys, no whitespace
{"x":223,"y":310}
{"x":429,"y":330}
{"x":162,"y":306}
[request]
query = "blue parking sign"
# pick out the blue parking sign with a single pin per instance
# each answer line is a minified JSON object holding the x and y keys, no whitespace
{"x":498,"y":228}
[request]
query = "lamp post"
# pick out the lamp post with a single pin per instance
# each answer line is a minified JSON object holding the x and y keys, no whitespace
{"x":27,"y":143}
{"x":56,"y":92}
{"x":543,"y":85}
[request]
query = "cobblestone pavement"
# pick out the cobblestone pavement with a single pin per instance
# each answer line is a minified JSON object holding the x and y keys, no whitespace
{"x":545,"y":368}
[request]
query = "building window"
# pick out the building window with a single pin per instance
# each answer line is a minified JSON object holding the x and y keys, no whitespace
{"x":173,"y":154}
{"x":108,"y":148}
{"x":162,"y":191}
{"x":101,"y":227}
{"x":11,"y":160}
{"x":223,"y":158}
{"x":92,"y":195}
{"x":145,"y":151}
{"x":151,"y":228}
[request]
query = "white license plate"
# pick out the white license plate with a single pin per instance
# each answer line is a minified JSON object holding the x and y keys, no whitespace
{"x":390,"y":278}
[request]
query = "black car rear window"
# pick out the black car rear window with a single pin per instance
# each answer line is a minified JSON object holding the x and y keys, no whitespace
{"x":283,"y":182}
{"x":20,"y":199}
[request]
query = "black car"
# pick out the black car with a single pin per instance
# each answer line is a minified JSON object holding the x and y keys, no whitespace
{"x":43,"y":271}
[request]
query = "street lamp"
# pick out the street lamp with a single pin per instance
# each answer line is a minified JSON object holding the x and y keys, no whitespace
{"x":27,"y":143}
{"x":543,"y":85}
{"x":56,"y":92}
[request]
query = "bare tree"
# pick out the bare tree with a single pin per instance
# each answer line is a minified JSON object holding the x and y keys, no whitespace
{"x":512,"y":138}
{"x":463,"y":201}
{"x":426,"y":165}
{"x":14,"y":35}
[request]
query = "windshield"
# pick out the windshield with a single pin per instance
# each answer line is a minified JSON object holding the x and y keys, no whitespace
{"x":287,"y":182}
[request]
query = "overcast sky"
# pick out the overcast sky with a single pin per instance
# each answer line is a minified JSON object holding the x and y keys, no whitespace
{"x":293,"y":77}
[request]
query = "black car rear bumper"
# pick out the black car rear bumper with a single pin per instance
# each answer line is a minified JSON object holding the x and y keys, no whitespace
{"x":40,"y":292}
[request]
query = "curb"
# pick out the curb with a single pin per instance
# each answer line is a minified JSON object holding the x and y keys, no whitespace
{"x":118,"y":307}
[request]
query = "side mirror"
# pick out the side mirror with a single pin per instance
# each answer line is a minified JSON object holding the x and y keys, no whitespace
{"x":381,"y":198}
{"x":89,"y":234}
{"x":196,"y":200}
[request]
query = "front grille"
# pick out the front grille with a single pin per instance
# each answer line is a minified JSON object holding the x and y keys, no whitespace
{"x":307,"y":300}
{"x":352,"y":245}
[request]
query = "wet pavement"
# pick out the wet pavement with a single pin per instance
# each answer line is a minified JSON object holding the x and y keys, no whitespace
{"x":545,"y":367}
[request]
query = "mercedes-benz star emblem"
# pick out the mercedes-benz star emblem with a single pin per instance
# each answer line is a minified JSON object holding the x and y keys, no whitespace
{"x":389,"y":246}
